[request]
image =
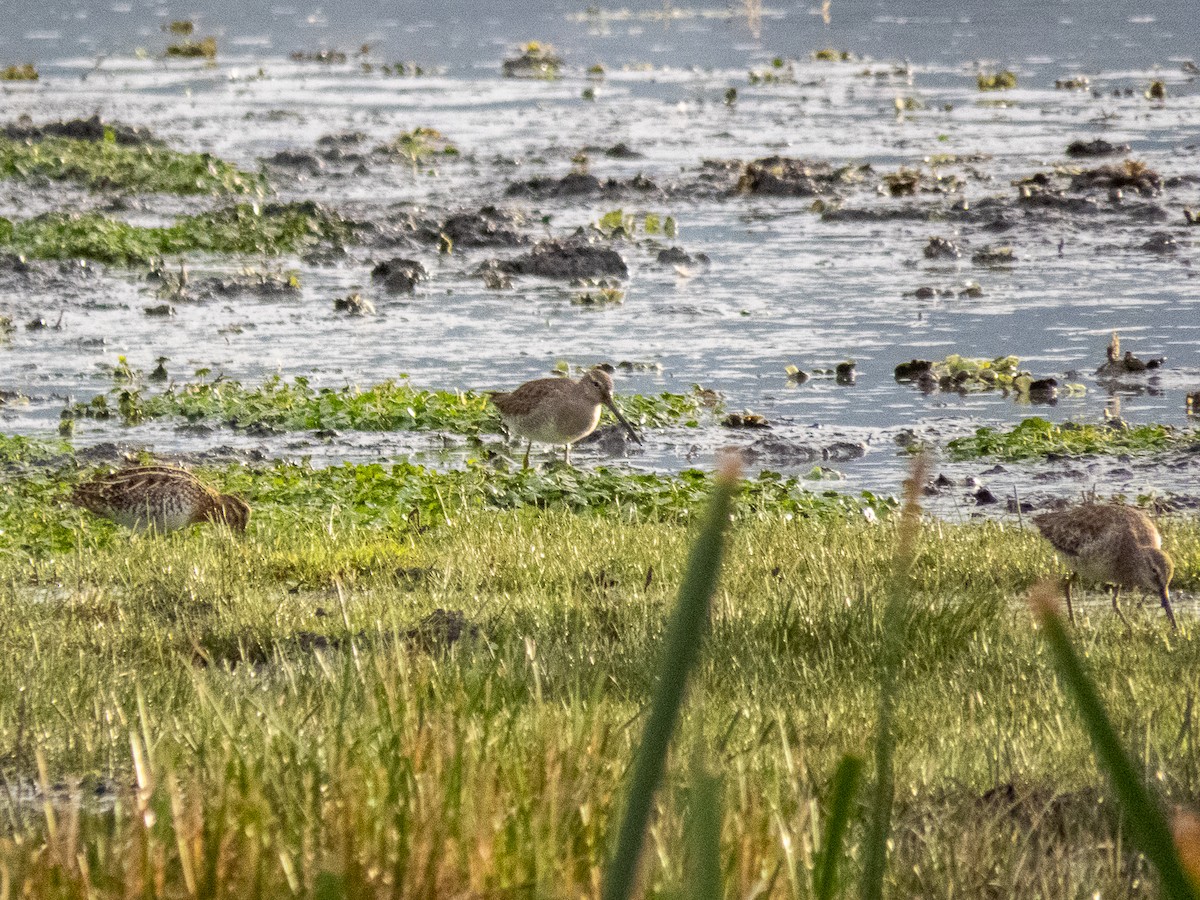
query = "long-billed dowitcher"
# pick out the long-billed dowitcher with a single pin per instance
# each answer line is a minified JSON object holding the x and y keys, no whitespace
{"x":160,"y":497}
{"x":1110,"y":543}
{"x":558,"y":410}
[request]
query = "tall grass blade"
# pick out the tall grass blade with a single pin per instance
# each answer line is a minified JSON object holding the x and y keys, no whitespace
{"x":1146,"y":823}
{"x":837,"y":818}
{"x":702,"y":836}
{"x":684,"y":635}
{"x":879,"y":824}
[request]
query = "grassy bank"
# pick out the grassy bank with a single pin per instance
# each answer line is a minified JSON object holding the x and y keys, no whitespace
{"x":213,"y":716}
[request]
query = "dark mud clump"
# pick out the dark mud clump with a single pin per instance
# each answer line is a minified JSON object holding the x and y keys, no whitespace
{"x":942,"y":248}
{"x":565,"y":259}
{"x":487,"y":227}
{"x":399,"y":276}
{"x":780,"y":452}
{"x":536,"y":61}
{"x":1132,"y":175}
{"x":1160,"y":242}
{"x":676,"y":256}
{"x":261,"y":284}
{"x":1098,"y":147}
{"x":440,"y":629}
{"x":93,"y":129}
{"x":609,"y":440}
{"x":344,"y":147}
{"x":298,"y":160}
{"x":580,"y":184}
{"x":354,"y":305}
{"x":913,"y":369}
{"x":783,"y":176}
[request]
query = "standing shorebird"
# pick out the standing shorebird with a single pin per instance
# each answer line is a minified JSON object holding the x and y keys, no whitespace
{"x":1110,"y":543}
{"x":162,"y":498}
{"x":558,"y":410}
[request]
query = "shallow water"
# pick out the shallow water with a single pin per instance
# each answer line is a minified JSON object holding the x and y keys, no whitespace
{"x":784,"y":287}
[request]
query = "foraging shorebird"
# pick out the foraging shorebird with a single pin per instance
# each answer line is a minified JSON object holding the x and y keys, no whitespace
{"x":558,"y":410}
{"x":1110,"y":543}
{"x":162,"y":498}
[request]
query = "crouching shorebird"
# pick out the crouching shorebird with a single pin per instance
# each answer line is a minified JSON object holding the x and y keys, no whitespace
{"x":558,"y":410}
{"x":162,"y":498}
{"x":1110,"y":543}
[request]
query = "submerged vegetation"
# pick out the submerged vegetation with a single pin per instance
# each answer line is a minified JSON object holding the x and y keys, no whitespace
{"x":244,"y":228}
{"x":107,"y":164}
{"x":996,"y":81}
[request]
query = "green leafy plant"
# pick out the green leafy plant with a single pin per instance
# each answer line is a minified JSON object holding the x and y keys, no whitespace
{"x":106,"y":164}
{"x":1037,"y":437}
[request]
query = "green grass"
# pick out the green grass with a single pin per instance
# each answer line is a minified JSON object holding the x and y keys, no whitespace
{"x":296,"y":406}
{"x":246,"y":758}
{"x":243,"y":228}
{"x":141,"y":168}
{"x":1036,"y":437}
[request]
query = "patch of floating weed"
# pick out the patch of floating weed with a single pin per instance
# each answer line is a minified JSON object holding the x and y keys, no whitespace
{"x":1036,"y":437}
{"x":420,"y":146}
{"x":964,"y":373}
{"x":106,"y":164}
{"x":240,"y":229}
{"x":618,"y":223}
{"x":17,"y":449}
{"x":536,"y":60}
{"x":390,"y":406}
{"x":205,"y":48}
{"x":996,"y":81}
{"x":832,"y":54}
{"x":25,"y":72}
{"x":781,"y":71}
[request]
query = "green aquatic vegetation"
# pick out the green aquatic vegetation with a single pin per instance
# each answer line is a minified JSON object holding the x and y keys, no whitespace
{"x":1036,"y":437}
{"x":618,"y":223}
{"x":996,"y":81}
{"x":421,"y":145}
{"x":18,"y":449}
{"x":298,"y":406}
{"x":24,"y":72}
{"x":781,"y":71}
{"x":142,"y":168}
{"x":832,"y":54}
{"x":963,"y":373}
{"x":600,"y":295}
{"x":35,"y":479}
{"x":205,"y":48}
{"x":245,"y":228}
{"x":536,"y":60}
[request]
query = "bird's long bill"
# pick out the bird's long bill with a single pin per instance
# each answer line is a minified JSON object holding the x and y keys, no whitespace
{"x":620,"y":418}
